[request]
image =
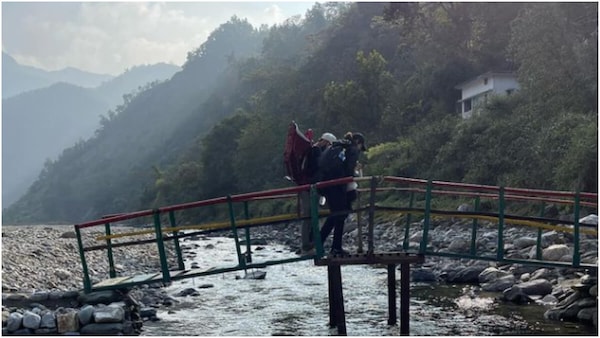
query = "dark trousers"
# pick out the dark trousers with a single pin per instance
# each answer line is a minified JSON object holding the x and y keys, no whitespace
{"x":339,"y":202}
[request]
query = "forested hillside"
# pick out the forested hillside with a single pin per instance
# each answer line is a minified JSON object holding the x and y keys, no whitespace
{"x":387,"y":70}
{"x":38,"y":124}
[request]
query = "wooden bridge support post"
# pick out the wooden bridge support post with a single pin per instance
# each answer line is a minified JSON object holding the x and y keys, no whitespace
{"x":337,"y":316}
{"x":404,"y":298}
{"x":391,"y":269}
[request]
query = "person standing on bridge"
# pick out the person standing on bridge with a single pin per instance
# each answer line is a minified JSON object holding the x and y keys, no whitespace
{"x":324,"y":142}
{"x":339,"y":161}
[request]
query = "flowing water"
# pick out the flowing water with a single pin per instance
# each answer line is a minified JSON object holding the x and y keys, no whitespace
{"x":293,"y":300}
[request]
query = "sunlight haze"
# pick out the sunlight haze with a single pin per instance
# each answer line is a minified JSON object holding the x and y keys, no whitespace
{"x":110,"y":37}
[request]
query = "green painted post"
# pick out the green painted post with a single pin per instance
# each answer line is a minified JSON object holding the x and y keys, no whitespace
{"x":180,"y":263}
{"x":87,"y":284}
{"x":161,"y":247}
{"x":427,"y":216}
{"x":576,"y":253}
{"x":247,"y":229}
{"x":241,"y":260}
{"x":371,"y":245}
{"x":474,"y":230}
{"x":111,"y":261}
{"x":408,"y":219}
{"x":359,"y":223}
{"x":314,"y":216}
{"x":500,"y":249}
{"x":538,"y":242}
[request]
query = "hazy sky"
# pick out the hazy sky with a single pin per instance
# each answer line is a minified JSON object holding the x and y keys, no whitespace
{"x":109,"y":37}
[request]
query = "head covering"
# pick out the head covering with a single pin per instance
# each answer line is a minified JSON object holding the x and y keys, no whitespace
{"x":359,"y":138}
{"x":329,"y":137}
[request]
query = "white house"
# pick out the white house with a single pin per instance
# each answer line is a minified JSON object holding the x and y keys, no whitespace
{"x":477,"y":91}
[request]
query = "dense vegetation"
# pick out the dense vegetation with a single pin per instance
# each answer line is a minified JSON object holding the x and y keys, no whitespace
{"x":388,"y":70}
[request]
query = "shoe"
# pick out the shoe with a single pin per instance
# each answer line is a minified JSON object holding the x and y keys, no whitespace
{"x":339,"y":252}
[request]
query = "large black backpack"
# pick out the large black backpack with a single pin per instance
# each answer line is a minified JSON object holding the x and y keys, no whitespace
{"x":332,"y":162}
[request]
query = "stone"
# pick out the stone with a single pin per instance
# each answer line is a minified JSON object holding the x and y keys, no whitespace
{"x":48,"y":320}
{"x":594,"y":291}
{"x":587,"y":314}
{"x":423,"y":275}
{"x":490,"y":274}
{"x":188,"y":292}
{"x":524,"y":242}
{"x":85,"y":314}
{"x":63,"y":274}
{"x":549,"y":300}
{"x":540,"y":287}
{"x":499,"y":284}
{"x":39,"y":296}
{"x":516,"y":295}
{"x":555,"y":252}
{"x":147,"y":312}
{"x":459,"y":245}
{"x":67,"y":321}
{"x":466,"y":275}
{"x":572,"y":298}
{"x":99,"y":297}
{"x":16,"y":297}
{"x":109,"y":314}
{"x":589,"y":219}
{"x":31,"y":320}
{"x":102,"y":329}
{"x":14,"y":321}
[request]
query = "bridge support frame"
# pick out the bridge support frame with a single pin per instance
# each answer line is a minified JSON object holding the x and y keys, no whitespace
{"x":337,"y":316}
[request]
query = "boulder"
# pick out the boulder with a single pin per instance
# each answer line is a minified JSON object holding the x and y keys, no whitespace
{"x":555,"y":252}
{"x":587,"y":314}
{"x":31,"y":320}
{"x":490,"y":274}
{"x":102,"y":329}
{"x":85,"y":314}
{"x":48,"y":320}
{"x":516,"y":295}
{"x":423,"y":275}
{"x":99,"y":297}
{"x":466,"y":275}
{"x":14,"y":321}
{"x":540,"y":287}
{"x":499,"y":284}
{"x":524,"y":242}
{"x":108,"y":314}
{"x":67,"y":321}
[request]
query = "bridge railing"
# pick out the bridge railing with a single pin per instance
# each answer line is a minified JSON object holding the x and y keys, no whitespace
{"x":499,"y":201}
{"x":162,"y":228}
{"x":164,"y":232}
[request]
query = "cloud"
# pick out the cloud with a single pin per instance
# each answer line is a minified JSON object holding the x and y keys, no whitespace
{"x":108,"y":37}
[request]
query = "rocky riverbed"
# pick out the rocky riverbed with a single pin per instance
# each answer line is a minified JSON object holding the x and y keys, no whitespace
{"x":46,"y":258}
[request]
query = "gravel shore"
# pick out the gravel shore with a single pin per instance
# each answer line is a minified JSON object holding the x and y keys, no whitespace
{"x":46,"y":258}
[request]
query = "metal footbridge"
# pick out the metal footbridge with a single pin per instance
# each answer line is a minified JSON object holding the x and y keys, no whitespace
{"x":415,"y":202}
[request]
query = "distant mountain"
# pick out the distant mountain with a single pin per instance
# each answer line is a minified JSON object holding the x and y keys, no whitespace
{"x":113,"y":89}
{"x":39,"y":124}
{"x":17,"y":78}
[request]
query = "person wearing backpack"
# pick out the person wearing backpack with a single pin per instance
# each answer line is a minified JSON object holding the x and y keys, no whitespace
{"x":311,"y":169}
{"x":339,"y":161}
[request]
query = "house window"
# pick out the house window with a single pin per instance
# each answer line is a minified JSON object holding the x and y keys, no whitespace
{"x":467,"y":105}
{"x":509,"y":91}
{"x":485,"y":81}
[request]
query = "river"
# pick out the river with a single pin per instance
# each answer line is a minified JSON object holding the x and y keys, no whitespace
{"x":293,"y":300}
